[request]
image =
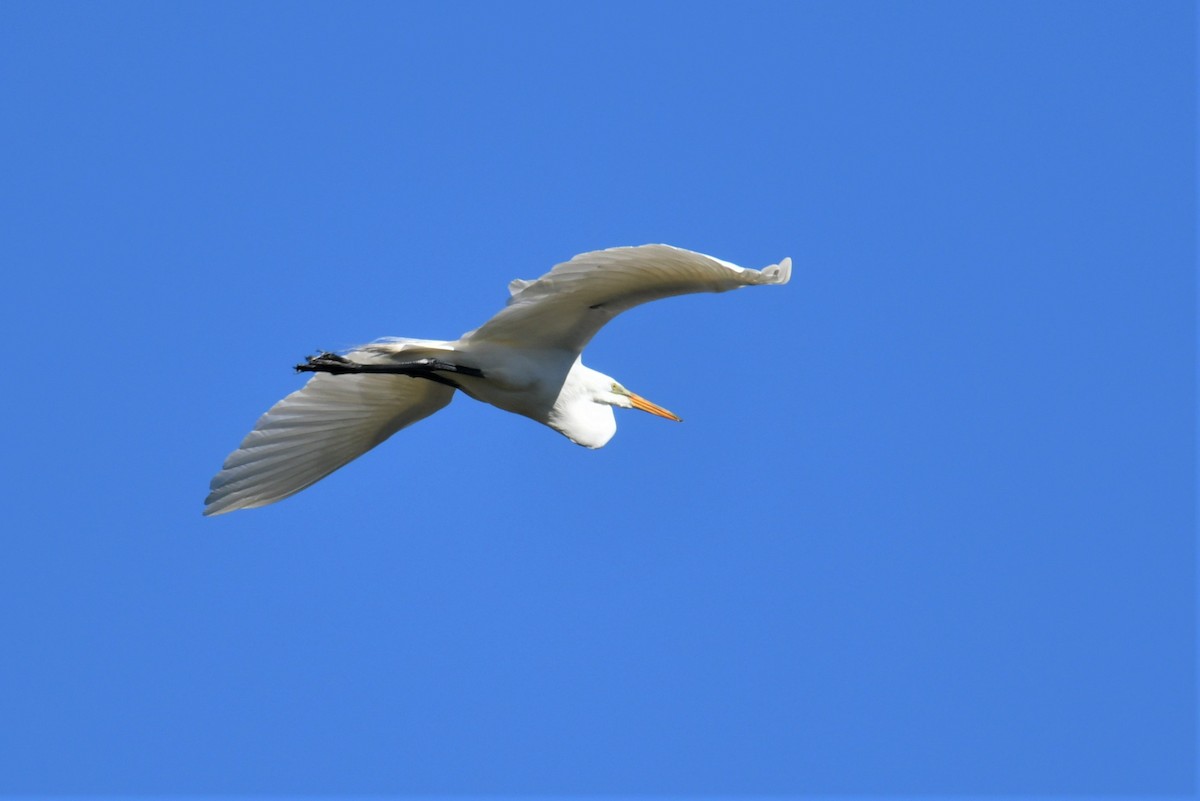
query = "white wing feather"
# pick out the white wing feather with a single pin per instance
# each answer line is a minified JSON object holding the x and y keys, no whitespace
{"x":568,"y":305}
{"x":332,"y":420}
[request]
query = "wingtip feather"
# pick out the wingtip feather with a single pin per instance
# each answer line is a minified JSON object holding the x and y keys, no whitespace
{"x":779,"y":273}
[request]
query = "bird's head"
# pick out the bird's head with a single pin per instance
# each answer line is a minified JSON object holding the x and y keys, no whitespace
{"x":583,"y":411}
{"x":617,"y":395}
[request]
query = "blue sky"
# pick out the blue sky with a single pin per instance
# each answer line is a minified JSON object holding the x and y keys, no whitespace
{"x":928,"y":528}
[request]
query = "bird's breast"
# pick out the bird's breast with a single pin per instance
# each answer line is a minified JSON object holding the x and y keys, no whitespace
{"x":518,"y":381}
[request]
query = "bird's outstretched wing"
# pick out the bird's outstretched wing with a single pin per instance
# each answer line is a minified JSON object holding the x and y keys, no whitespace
{"x":332,"y":420}
{"x":568,"y":305}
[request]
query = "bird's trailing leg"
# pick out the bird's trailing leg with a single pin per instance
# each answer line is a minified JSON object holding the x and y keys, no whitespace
{"x":334,"y":364}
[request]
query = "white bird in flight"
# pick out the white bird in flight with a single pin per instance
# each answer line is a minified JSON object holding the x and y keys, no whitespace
{"x":525,"y":359}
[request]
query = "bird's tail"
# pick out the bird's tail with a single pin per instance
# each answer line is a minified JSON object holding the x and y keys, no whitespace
{"x":329,"y":422}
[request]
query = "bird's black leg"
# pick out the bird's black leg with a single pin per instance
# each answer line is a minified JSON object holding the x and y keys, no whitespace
{"x":334,"y":364}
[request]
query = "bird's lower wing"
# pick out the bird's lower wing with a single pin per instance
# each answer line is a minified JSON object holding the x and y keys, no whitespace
{"x":568,"y":305}
{"x":332,"y":420}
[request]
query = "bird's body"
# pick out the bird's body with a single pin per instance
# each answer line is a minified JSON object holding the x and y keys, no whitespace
{"x":525,"y":360}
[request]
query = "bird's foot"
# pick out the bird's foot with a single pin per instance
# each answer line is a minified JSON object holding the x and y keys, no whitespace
{"x":326,"y":362}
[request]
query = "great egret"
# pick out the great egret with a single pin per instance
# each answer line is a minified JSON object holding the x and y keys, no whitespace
{"x":526,"y":359}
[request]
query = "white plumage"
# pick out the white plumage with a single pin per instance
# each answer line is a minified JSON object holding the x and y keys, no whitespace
{"x":525,"y":359}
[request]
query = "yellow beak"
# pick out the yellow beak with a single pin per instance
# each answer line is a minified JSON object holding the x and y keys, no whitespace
{"x":646,"y":406}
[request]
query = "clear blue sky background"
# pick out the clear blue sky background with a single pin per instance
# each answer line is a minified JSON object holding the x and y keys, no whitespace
{"x":928,"y":526}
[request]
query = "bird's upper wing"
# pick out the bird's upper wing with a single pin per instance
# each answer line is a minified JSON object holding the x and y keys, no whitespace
{"x":568,"y":305}
{"x":317,"y":429}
